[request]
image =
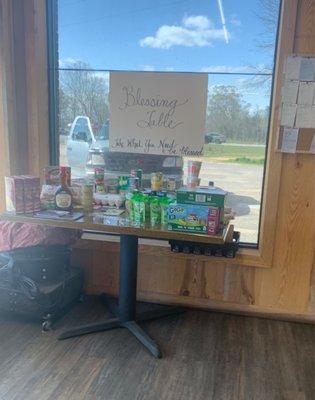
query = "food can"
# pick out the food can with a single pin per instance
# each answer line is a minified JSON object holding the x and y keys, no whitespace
{"x":134,"y":183}
{"x":171,"y":184}
{"x":123,"y":182}
{"x":87,"y":197}
{"x":99,"y":175}
{"x":156,"y":181}
{"x":112,"y":188}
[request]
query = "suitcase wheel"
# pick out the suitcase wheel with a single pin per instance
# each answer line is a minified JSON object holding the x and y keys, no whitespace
{"x":47,"y":323}
{"x":46,"y":326}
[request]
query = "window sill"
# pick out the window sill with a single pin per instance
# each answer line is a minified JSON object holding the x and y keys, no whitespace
{"x":244,"y":257}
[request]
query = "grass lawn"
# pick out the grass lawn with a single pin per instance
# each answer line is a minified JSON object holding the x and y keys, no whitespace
{"x":243,"y":154}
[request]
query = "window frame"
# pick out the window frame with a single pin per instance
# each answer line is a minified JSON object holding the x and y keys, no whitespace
{"x":258,"y":254}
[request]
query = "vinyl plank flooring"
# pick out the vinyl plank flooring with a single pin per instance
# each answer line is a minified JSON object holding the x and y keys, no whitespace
{"x":206,"y":356}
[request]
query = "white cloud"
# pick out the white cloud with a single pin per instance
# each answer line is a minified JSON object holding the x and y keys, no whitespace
{"x":66,"y":62}
{"x":147,"y":68}
{"x":170,"y":69}
{"x":101,"y":74}
{"x":197,"y":21}
{"x":260,"y":68}
{"x":226,"y":68}
{"x":194,"y":31}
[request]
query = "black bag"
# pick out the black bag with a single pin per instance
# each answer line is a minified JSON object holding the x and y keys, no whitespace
{"x":38,"y":282}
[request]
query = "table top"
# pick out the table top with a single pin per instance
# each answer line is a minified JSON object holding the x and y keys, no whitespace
{"x":98,"y":222}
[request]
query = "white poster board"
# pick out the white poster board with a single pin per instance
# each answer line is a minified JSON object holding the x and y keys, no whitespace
{"x":157,"y":113}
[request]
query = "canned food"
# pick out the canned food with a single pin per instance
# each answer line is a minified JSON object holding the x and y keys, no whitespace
{"x":112,"y":189}
{"x":156,"y":181}
{"x":99,"y":175}
{"x":87,"y":197}
{"x":134,"y":183}
{"x":123,"y":182}
{"x":171,"y":184}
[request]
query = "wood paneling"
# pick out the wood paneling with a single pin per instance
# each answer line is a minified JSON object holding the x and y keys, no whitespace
{"x":287,"y":234}
{"x":23,"y":88}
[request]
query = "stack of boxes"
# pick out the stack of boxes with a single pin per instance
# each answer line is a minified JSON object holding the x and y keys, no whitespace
{"x":199,"y":210}
{"x":22,"y":194}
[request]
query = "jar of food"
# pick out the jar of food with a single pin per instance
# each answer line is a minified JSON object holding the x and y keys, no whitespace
{"x":156,"y":181}
{"x":87,"y":197}
{"x":99,"y":175}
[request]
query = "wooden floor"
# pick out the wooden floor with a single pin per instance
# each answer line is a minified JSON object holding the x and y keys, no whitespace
{"x":206,"y":356}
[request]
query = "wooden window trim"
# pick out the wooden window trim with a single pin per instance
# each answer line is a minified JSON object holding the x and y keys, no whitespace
{"x":37,"y":116}
{"x":263,"y":256}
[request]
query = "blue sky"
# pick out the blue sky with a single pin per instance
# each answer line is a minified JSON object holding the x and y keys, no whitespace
{"x":167,"y":35}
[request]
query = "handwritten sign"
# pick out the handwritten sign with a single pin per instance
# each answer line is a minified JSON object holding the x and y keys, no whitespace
{"x":157,"y":113}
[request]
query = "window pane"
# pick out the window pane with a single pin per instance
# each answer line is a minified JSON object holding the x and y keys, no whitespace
{"x":233,"y":42}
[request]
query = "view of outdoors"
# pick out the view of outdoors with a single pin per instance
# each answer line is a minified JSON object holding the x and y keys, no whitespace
{"x":233,"y":42}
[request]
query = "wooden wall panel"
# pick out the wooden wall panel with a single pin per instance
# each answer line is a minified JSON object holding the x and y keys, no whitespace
{"x":23,"y":89}
{"x":287,"y":289}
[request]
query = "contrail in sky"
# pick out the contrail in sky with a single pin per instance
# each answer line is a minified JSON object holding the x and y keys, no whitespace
{"x":226,"y":36}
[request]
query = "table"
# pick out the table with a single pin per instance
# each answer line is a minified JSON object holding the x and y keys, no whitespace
{"x":125,"y":313}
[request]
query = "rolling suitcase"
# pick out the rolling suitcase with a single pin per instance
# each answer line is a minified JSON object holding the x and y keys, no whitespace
{"x":38,"y":283}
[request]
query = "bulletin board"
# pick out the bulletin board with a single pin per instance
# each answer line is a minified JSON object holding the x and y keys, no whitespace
{"x":297,"y":116}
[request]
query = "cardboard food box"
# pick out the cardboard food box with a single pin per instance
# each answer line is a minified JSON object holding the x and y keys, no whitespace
{"x":52,"y":175}
{"x":31,"y":193}
{"x":193,"y":218}
{"x":14,"y":194}
{"x":213,"y":197}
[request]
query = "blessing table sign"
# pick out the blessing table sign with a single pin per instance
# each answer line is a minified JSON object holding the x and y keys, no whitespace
{"x":157,"y":113}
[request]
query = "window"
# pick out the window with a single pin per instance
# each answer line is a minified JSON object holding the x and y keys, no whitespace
{"x":233,"y":42}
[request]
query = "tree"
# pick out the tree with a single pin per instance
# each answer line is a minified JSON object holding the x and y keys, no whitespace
{"x":228,"y":114}
{"x":83,"y":92}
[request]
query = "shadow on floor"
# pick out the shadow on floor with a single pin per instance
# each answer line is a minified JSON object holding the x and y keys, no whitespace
{"x":240,"y":204}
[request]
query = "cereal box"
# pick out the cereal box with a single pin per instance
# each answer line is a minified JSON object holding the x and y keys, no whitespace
{"x":193,"y":219}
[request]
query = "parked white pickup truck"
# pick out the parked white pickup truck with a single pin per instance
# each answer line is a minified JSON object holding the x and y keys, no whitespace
{"x":87,"y":150}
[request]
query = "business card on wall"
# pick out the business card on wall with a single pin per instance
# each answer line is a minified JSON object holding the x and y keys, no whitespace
{"x":288,"y":114}
{"x":292,"y":68}
{"x":312,"y":148}
{"x":289,"y":140}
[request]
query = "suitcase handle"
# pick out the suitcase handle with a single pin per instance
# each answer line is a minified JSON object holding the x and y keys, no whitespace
{"x":8,"y":267}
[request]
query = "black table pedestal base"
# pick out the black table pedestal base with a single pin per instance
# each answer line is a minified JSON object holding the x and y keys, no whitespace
{"x":132,"y":326}
{"x":125,"y":313}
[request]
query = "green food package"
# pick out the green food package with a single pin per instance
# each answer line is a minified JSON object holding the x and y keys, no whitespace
{"x":146,"y":200}
{"x":155,"y":211}
{"x":164,"y":203}
{"x":129,"y":204}
{"x":139,"y":208}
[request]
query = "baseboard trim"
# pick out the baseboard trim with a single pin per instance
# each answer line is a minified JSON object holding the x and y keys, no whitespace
{"x":229,"y":308}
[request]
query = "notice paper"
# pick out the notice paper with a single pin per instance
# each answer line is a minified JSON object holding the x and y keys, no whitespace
{"x":306,"y":93}
{"x":307,"y":69}
{"x":312,"y":148}
{"x":157,"y":113}
{"x":290,"y":91}
{"x":288,"y":113}
{"x":289,"y":140}
{"x":292,"y":68}
{"x":304,"y":116}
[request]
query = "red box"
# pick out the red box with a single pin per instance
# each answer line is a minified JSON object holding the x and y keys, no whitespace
{"x":14,"y":194}
{"x":213,"y":226}
{"x":31,"y":193}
